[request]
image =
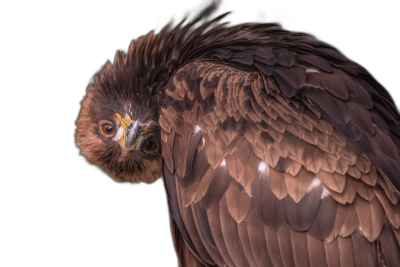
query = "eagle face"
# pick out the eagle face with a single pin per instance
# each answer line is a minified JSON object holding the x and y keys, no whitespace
{"x":118,"y":129}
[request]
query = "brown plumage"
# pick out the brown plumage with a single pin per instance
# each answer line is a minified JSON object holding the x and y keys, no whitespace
{"x":276,"y":150}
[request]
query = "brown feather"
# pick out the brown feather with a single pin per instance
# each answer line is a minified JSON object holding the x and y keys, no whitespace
{"x":236,"y":166}
{"x":333,"y":181}
{"x":328,"y":164}
{"x":330,"y":82}
{"x":216,"y":230}
{"x":301,"y":215}
{"x":364,"y":251}
{"x":238,"y":203}
{"x":340,"y":217}
{"x":179,"y":154}
{"x":316,"y":252}
{"x":350,"y":190}
{"x":214,"y":155}
{"x":246,"y":245}
{"x":369,"y":178}
{"x":168,"y":159}
{"x":294,"y":168}
{"x":390,"y":247}
{"x":277,"y":181}
{"x":272,"y":157}
{"x":253,"y":135}
{"x":202,"y":224}
{"x":285,"y":246}
{"x":342,"y":166}
{"x":267,"y":207}
{"x":354,"y":171}
{"x":194,"y":235}
{"x":315,"y":61}
{"x":259,"y":244}
{"x":365,"y":191}
{"x":230,"y":236}
{"x":217,"y":188}
{"x":300,"y":248}
{"x":388,"y":191}
{"x":371,"y":216}
{"x":346,"y":251}
{"x":312,"y":158}
{"x":392,"y":211}
{"x":332,"y":253}
{"x":204,"y":184}
{"x":188,"y":195}
{"x":325,"y":219}
{"x":363,"y":164}
{"x":350,"y":222}
{"x":185,"y":255}
{"x":397,"y":234}
{"x":251,"y":173}
{"x":273,"y":247}
{"x":297,"y":186}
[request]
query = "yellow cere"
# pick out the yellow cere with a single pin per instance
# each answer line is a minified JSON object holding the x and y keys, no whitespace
{"x":124,"y":122}
{"x":145,"y":131}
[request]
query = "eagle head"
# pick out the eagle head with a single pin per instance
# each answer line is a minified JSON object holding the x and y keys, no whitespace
{"x":117,"y":128}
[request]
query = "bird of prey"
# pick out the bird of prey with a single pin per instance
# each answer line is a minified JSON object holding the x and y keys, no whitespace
{"x":275,"y":148}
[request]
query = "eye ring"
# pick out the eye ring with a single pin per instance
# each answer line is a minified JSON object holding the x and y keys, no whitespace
{"x":149,"y":146}
{"x":107,"y":128}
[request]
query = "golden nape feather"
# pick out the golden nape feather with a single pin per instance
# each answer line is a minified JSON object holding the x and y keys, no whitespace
{"x":275,"y":149}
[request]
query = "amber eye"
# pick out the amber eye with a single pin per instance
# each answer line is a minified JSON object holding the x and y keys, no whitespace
{"x":149,"y":146}
{"x":107,"y":128}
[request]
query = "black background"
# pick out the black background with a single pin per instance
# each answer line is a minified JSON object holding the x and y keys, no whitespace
{"x":76,"y":213}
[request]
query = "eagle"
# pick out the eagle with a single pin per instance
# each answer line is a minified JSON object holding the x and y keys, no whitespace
{"x":275,"y":149}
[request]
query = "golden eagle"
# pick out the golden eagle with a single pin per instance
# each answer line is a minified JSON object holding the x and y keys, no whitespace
{"x":275,"y":149}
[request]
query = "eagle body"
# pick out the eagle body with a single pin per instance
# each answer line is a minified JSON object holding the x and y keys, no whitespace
{"x":275,"y":149}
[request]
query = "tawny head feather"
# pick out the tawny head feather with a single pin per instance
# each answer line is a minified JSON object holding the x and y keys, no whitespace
{"x":118,"y":126}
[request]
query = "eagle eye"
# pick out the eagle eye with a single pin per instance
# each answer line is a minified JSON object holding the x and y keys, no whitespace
{"x":149,"y":146}
{"x":107,"y":128}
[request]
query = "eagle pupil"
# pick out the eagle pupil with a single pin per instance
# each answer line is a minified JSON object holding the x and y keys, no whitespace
{"x":109,"y":128}
{"x":149,"y":146}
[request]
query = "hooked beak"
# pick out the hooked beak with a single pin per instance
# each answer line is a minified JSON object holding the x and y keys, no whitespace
{"x":132,"y":131}
{"x":131,"y":135}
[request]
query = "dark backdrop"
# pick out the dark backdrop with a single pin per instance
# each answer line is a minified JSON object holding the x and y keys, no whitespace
{"x":83,"y":215}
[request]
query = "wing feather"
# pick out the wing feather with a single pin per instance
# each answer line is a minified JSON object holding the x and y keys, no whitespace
{"x":246,"y":245}
{"x":390,"y":247}
{"x":201,"y":221}
{"x":332,"y":253}
{"x":285,"y":246}
{"x":324,"y":220}
{"x":216,"y":230}
{"x":300,"y":247}
{"x":231,"y":237}
{"x":365,"y":251}
{"x":258,"y":243}
{"x":273,"y":139}
{"x":238,"y":203}
{"x":316,"y":251}
{"x":268,"y":208}
{"x":273,"y":247}
{"x":346,"y":251}
{"x":301,"y":215}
